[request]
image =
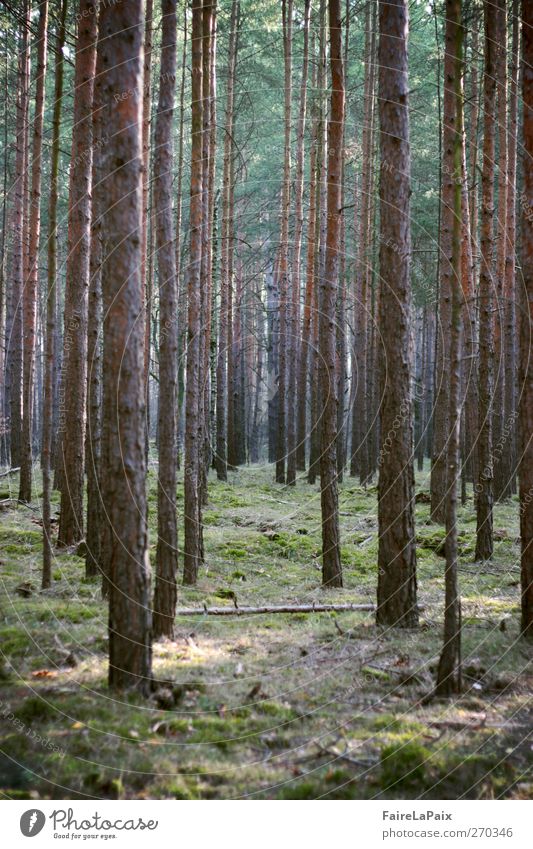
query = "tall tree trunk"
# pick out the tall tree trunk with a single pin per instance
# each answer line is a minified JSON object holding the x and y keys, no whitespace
{"x":96,"y":525}
{"x":31,"y":283}
{"x":193,"y":422}
{"x":123,"y":451}
{"x":307,"y":318}
{"x":484,"y":496}
{"x":526,"y":331}
{"x":329,"y":498}
{"x":14,"y":336}
{"x":181,"y":288}
{"x":147,"y":125}
{"x":511,"y":414}
{"x":165,"y":594}
{"x":499,"y":425}
{"x":397,"y":547}
{"x":221,"y":456}
{"x":441,"y":391}
{"x":73,"y":394}
{"x":361,"y":417}
{"x":48,"y":399}
{"x":293,"y":336}
{"x":449,"y":669}
{"x":283,"y":262}
{"x":222,"y":354}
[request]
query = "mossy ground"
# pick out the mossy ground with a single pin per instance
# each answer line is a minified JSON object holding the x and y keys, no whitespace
{"x":272,"y":706}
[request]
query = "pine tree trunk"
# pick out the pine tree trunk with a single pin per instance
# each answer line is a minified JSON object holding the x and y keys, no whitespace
{"x":14,"y":335}
{"x":449,"y":669}
{"x":439,"y":482}
{"x":48,"y":387}
{"x":283,"y":262}
{"x":125,"y":559}
{"x":221,"y":456}
{"x":526,"y":332}
{"x":294,"y":322}
{"x":499,"y":425}
{"x":329,"y":499}
{"x":484,"y":496}
{"x":165,"y":594}
{"x":397,"y":547}
{"x":510,"y":410}
{"x":307,"y":318}
{"x":73,"y":393}
{"x":31,"y":283}
{"x":146,"y":142}
{"x":193,"y":422}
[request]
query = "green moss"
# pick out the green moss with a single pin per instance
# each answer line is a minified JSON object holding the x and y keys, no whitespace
{"x":403,"y":765}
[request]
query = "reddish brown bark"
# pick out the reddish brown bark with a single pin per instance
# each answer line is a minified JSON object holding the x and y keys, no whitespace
{"x":125,"y":558}
{"x":329,"y":498}
{"x":397,"y":548}
{"x":526,"y":330}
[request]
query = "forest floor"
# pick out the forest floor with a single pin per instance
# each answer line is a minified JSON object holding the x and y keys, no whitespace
{"x":297,"y":706}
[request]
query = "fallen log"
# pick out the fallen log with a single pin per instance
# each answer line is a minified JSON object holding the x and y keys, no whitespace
{"x":9,"y":472}
{"x":276,"y":608}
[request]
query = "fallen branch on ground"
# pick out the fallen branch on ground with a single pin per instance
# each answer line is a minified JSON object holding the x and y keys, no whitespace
{"x":9,"y":472}
{"x":278,"y":608}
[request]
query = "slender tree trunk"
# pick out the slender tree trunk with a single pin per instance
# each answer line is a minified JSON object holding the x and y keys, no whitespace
{"x":51,"y":301}
{"x":499,"y":425}
{"x":96,"y":525}
{"x":329,"y":499}
{"x":181,"y":288}
{"x":283,"y":262}
{"x":441,"y":410}
{"x":319,"y":251}
{"x":484,"y":496}
{"x":165,"y":594}
{"x":293,"y":337}
{"x":193,"y":422}
{"x":147,"y":124}
{"x":123,"y":451}
{"x":14,"y":337}
{"x":221,"y":457}
{"x":361,"y":436}
{"x":73,"y":393}
{"x":526,"y":331}
{"x":397,"y":547}
{"x":307,"y":318}
{"x":449,"y":670}
{"x":31,"y":283}
{"x":510,"y":345}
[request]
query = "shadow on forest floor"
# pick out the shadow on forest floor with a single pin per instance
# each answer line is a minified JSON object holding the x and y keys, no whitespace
{"x":272,"y":706}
